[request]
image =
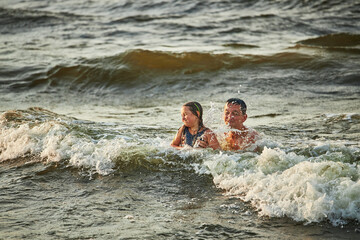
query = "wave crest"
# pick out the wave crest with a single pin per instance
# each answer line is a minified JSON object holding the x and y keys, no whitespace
{"x":135,"y":67}
{"x":141,"y":68}
{"x":334,"y":40}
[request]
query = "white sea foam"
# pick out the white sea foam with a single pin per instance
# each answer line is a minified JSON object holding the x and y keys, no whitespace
{"x":281,"y":184}
{"x":345,"y":116}
{"x":54,"y":141}
{"x":14,"y":143}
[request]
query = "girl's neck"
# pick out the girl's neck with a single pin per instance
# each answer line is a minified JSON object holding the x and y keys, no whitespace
{"x":194,"y":129}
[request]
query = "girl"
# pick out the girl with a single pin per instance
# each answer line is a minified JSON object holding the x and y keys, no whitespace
{"x":193,"y":133}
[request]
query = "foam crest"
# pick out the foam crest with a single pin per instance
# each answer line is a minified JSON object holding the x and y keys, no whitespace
{"x":229,"y":163}
{"x":280,"y":184}
{"x":273,"y":160}
{"x":14,"y":143}
{"x":99,"y":155}
{"x":351,"y":117}
{"x":55,"y":141}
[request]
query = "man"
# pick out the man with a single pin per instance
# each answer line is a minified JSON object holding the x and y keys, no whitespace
{"x":239,"y":137}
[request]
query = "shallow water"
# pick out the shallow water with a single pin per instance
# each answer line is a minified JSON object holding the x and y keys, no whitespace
{"x":90,"y":98}
{"x":52,"y":202}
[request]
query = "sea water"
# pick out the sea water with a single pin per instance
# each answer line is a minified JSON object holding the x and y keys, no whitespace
{"x":90,"y":99}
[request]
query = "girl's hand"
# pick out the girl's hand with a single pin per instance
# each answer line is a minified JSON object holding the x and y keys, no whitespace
{"x":203,"y":143}
{"x":177,"y":139}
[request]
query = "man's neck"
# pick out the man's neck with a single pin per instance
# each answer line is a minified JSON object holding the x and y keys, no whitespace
{"x":239,"y":131}
{"x":240,"y":128}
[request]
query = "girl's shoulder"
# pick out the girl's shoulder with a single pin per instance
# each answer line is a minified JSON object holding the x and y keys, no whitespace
{"x":208,"y":131}
{"x":182,"y":128}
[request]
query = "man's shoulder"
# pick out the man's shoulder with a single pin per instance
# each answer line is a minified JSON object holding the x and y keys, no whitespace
{"x":253,"y":135}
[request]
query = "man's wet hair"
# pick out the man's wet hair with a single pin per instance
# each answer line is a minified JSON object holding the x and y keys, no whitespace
{"x":238,"y":101}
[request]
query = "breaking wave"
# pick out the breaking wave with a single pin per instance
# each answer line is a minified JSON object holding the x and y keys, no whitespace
{"x":319,"y":182}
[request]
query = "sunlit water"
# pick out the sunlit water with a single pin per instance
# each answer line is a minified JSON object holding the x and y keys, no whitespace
{"x":90,"y":98}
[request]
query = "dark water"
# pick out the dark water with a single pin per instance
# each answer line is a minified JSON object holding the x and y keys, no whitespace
{"x":90,"y":98}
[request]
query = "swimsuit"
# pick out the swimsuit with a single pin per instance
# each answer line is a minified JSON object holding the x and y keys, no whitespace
{"x":188,"y":139}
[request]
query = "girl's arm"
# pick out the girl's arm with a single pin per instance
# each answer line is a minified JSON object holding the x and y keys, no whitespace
{"x":177,"y":139}
{"x":210,"y":140}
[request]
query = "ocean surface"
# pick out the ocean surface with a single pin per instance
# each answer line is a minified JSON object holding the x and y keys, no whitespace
{"x":90,"y":99}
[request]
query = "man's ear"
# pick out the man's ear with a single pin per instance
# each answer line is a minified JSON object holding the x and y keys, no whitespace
{"x":245,"y":117}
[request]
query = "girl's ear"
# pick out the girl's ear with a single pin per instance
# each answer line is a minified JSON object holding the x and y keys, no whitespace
{"x":198,"y":114}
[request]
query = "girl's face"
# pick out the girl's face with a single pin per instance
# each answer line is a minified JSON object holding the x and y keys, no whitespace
{"x":188,"y":118}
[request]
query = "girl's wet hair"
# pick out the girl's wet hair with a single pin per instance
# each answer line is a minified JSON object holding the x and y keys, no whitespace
{"x":238,"y":101}
{"x":194,"y":108}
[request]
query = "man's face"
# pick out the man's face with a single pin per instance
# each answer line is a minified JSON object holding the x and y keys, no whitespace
{"x":233,"y":116}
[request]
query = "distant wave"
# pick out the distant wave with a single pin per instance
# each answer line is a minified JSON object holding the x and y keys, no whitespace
{"x":334,"y":40}
{"x":126,"y":69}
{"x":142,"y":62}
{"x":343,"y":43}
{"x":239,"y":45}
{"x":15,"y":20}
{"x":137,"y":67}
